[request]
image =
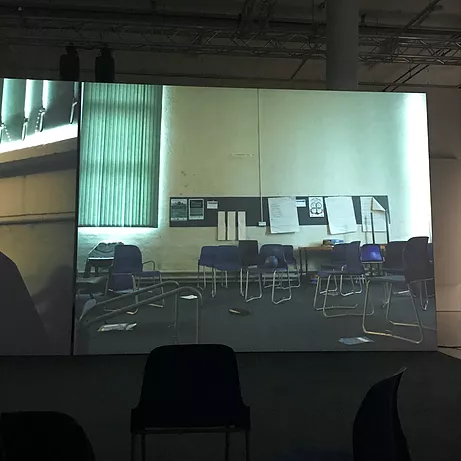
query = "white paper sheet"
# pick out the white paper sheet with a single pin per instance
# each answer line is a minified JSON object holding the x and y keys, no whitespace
{"x":341,"y":216}
{"x":283,"y":215}
{"x":231,"y":225}
{"x":212,"y":205}
{"x":221,"y":225}
{"x":242,"y":225}
{"x":370,"y":205}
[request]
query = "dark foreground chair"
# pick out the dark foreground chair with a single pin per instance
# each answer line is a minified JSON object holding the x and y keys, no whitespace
{"x":377,"y":432}
{"x":47,"y":435}
{"x":190,"y":389}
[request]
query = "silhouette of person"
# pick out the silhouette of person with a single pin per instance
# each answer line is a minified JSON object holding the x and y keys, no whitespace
{"x":21,"y":329}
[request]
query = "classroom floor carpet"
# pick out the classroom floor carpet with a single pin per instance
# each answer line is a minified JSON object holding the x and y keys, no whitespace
{"x":290,"y":326}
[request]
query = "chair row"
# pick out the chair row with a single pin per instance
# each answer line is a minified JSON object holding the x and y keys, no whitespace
{"x":211,"y":402}
{"x":271,"y":259}
{"x":406,"y":263}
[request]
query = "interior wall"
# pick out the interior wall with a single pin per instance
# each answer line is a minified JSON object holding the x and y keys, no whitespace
{"x":37,"y":231}
{"x":311,"y":143}
{"x":446,"y":202}
{"x":37,"y":223}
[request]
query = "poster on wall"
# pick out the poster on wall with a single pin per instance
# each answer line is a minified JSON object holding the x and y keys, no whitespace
{"x":341,"y":216}
{"x":196,"y":209}
{"x":178,"y":209}
{"x":283,"y":215}
{"x":316,"y":209}
{"x":369,"y":207}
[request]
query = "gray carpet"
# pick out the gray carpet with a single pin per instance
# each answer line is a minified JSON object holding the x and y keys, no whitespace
{"x":290,"y":326}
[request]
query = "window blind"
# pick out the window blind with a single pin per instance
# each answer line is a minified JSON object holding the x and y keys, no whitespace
{"x":119,"y":155}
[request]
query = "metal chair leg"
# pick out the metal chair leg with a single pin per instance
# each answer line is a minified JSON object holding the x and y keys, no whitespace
{"x":324,"y":308}
{"x":247,"y":445}
{"x":133,"y":447}
{"x":226,"y":449}
{"x":247,"y":300}
{"x":143,"y":447}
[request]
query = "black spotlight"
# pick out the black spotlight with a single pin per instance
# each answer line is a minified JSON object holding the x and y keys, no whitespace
{"x":69,"y":65}
{"x":104,"y":69}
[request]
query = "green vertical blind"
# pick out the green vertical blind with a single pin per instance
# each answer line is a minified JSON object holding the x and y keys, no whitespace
{"x":119,"y":155}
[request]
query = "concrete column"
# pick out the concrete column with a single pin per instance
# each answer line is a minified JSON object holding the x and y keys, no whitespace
{"x":342,"y":44}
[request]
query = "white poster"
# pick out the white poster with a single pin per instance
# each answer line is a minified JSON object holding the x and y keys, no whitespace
{"x":368,"y":206}
{"x":212,"y":205}
{"x":341,"y":215}
{"x":178,"y":209}
{"x":196,"y":209}
{"x":221,"y":225}
{"x":316,"y":209}
{"x":283,"y":215}
{"x":231,"y":225}
{"x":242,"y":225}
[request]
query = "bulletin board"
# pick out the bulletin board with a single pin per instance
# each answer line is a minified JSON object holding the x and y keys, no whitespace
{"x":252,"y":206}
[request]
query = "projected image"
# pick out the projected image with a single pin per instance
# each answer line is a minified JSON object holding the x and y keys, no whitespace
{"x":267,"y":220}
{"x":38,"y":168}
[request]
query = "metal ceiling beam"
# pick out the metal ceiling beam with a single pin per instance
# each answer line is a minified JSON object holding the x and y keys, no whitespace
{"x":216,"y":36}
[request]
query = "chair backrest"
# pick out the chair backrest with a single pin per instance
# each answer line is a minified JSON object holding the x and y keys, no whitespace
{"x":249,"y":252}
{"x":338,"y":253}
{"x":353,"y":261}
{"x":371,"y":252}
{"x":273,"y":249}
{"x":195,"y":379}
{"x":43,"y":435}
{"x":127,"y":259}
{"x":394,"y":255}
{"x":416,"y":262}
{"x":228,"y":254}
{"x":207,"y":256}
{"x":377,"y":433}
{"x":289,"y":253}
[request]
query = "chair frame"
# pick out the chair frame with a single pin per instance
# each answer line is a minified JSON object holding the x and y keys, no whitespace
{"x":423,"y":305}
{"x":324,"y":308}
{"x":136,"y":284}
{"x":274,"y":272}
{"x":227,"y":430}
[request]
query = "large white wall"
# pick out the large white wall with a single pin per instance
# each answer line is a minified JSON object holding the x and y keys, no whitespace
{"x":311,"y":143}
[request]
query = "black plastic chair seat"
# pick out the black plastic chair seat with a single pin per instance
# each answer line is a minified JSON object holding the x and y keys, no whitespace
{"x":182,"y":415}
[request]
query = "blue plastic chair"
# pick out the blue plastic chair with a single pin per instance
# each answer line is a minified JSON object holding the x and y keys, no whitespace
{"x":370,"y":254}
{"x":353,"y":269}
{"x":227,"y":259}
{"x":127,"y":271}
{"x":205,"y":260}
{"x":262,"y":269}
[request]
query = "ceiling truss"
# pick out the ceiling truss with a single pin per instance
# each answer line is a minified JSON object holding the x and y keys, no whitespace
{"x":221,"y":36}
